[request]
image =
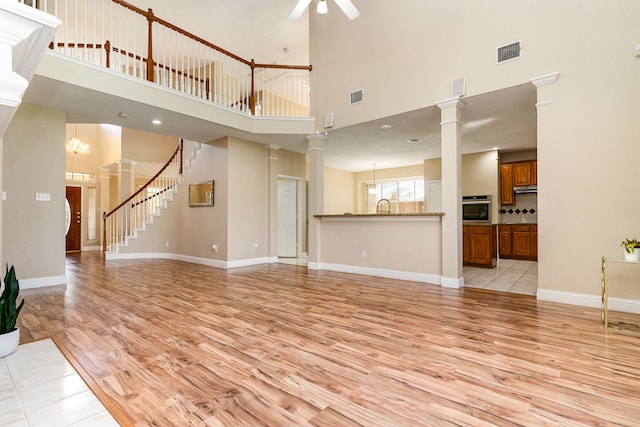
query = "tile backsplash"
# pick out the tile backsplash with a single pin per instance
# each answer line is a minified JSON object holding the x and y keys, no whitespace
{"x":525,"y":211}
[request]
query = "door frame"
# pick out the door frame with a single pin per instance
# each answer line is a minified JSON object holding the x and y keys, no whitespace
{"x":300,"y":211}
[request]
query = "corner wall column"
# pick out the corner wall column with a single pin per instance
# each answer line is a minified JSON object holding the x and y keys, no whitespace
{"x":125,"y":178}
{"x":547,"y":125}
{"x":272,"y":228}
{"x":451,"y":123}
{"x":315,"y":155}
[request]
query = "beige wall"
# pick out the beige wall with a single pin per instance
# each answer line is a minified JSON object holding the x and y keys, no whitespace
{"x":34,"y":161}
{"x":383,"y":244}
{"x":480,"y":176}
{"x":247,"y":200}
{"x":587,"y":120}
{"x":339,"y":194}
{"x":147,"y":147}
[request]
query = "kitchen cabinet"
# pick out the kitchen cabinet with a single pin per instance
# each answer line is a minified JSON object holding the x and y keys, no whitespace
{"x":518,"y":241}
{"x":479,"y":245}
{"x":507,"y":197}
{"x":504,"y":238}
{"x":524,"y":173}
{"x":516,"y":174}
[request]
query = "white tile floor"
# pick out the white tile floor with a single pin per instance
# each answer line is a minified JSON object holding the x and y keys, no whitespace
{"x":509,"y":276}
{"x":38,"y":387}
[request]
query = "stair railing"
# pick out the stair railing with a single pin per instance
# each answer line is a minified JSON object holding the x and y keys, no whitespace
{"x":130,"y":40}
{"x":138,"y":209}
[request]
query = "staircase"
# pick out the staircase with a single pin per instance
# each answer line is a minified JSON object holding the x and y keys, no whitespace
{"x":123,"y":223}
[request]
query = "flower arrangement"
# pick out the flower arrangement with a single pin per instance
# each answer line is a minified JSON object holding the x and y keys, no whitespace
{"x":630,"y":245}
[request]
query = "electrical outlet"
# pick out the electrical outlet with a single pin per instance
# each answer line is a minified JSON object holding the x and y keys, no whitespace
{"x":214,"y":248}
{"x":166,"y":244}
{"x":364,"y":253}
{"x":255,"y":246}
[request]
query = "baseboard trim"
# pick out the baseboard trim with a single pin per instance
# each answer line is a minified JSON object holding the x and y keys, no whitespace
{"x":586,"y":300}
{"x":247,"y":262}
{"x":432,"y":279}
{"x":452,"y":282}
{"x":195,"y":260}
{"x":42,"y":282}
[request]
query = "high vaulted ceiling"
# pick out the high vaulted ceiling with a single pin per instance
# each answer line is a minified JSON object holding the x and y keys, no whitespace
{"x":261,"y":30}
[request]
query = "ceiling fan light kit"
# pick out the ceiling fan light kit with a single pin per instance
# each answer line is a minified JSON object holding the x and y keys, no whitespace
{"x":345,"y":5}
{"x":322,"y":8}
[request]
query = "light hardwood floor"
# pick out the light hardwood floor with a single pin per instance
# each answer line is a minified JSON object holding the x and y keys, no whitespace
{"x":177,"y":344}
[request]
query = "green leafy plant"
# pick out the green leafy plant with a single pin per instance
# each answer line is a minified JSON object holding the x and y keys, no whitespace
{"x":630,"y":244}
{"x":8,"y":310}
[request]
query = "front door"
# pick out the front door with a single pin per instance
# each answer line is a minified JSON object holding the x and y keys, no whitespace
{"x":74,"y":198}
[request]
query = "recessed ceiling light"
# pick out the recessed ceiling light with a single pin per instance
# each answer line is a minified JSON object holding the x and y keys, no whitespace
{"x":156,"y":122}
{"x":414,"y":140}
{"x":123,"y":115}
{"x":385,"y":127}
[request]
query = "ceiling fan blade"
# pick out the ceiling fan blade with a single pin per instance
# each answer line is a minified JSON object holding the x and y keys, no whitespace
{"x":348,"y":8}
{"x":299,"y":9}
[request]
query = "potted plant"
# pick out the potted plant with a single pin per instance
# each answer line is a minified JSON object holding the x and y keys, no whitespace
{"x":9,"y":311}
{"x":630,"y":252}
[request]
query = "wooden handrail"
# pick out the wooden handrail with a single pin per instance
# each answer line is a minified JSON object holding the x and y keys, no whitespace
{"x":178,"y":152}
{"x":152,"y":18}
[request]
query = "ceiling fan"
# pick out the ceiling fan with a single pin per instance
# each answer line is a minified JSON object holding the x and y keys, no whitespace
{"x":347,"y":7}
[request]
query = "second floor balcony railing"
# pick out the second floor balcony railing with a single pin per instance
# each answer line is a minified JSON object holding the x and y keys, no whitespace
{"x":125,"y":38}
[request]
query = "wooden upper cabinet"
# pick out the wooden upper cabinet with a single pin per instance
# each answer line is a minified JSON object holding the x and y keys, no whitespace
{"x":521,"y":173}
{"x":534,"y":172}
{"x":506,"y":184}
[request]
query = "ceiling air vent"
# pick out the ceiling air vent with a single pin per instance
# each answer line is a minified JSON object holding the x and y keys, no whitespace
{"x":509,"y":52}
{"x":357,"y":96}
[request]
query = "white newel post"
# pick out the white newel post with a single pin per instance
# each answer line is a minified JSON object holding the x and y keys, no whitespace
{"x":451,"y":123}
{"x":316,"y":195}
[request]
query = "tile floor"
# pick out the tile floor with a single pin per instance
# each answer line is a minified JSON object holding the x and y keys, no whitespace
{"x":510,"y":275}
{"x":38,"y":387}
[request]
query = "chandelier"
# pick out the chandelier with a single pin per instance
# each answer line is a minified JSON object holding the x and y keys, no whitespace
{"x":76,"y":147}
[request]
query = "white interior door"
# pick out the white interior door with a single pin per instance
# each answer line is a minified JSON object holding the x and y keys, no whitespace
{"x":434,"y":196}
{"x":287,"y":218}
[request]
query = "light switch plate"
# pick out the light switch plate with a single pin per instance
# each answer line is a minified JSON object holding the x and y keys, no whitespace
{"x":43,"y":197}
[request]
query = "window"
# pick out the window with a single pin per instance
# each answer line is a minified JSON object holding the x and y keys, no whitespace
{"x":80,"y":176}
{"x":91,"y":215}
{"x":405,"y":195}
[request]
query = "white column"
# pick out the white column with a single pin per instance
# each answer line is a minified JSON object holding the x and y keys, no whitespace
{"x":125,"y":178}
{"x":451,"y":134}
{"x":546,"y":129}
{"x":315,"y":155}
{"x":272,"y":231}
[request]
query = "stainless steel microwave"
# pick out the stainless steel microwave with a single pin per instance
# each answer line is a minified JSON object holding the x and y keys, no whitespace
{"x":476,"y":209}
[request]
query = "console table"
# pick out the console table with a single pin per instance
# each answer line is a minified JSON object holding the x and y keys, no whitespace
{"x":630,"y":326}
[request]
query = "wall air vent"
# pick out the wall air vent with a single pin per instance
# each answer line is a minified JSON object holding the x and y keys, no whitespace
{"x":357,"y":96}
{"x":509,"y":52}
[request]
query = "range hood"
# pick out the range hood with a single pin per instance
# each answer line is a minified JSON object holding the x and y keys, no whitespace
{"x":526,"y":189}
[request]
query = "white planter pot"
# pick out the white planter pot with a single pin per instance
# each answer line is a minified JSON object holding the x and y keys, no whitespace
{"x":9,"y":342}
{"x":635,"y":256}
